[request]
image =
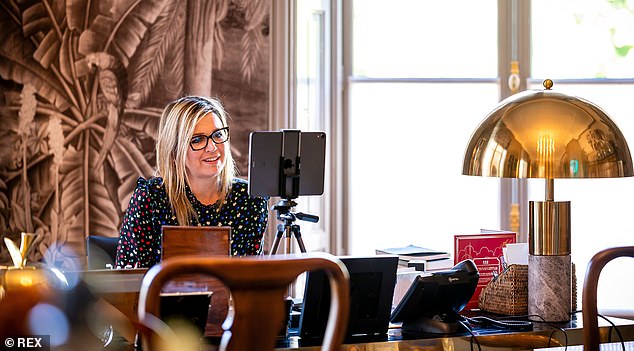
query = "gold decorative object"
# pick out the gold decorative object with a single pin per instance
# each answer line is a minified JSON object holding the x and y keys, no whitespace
{"x":21,"y":275}
{"x":20,"y":255}
{"x":26,"y":285}
{"x":548,"y":134}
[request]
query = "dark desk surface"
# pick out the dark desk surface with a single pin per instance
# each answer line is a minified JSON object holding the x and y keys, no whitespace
{"x":542,"y":336}
{"x":125,"y":282}
{"x":543,"y":339}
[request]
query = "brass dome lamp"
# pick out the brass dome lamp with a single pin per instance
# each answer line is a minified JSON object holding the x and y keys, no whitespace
{"x":548,"y":134}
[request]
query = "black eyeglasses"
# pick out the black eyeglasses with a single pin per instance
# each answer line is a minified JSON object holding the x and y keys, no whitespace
{"x":218,"y":136}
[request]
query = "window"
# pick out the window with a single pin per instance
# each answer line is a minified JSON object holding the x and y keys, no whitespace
{"x":414,"y":100}
{"x":423,"y":74}
{"x":312,"y":103}
{"x":584,"y":46}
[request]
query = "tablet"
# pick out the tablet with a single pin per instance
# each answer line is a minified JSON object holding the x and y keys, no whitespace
{"x":288,"y":163}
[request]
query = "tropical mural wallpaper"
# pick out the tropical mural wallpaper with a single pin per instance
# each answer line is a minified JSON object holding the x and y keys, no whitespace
{"x":82,"y":85}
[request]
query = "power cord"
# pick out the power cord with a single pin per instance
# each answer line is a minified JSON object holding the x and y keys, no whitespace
{"x":468,"y":322}
{"x":500,"y":323}
{"x":553,"y":333}
{"x":526,"y":323}
{"x":473,"y":336}
{"x":612,"y":326}
{"x":533,"y":317}
{"x":518,"y":323}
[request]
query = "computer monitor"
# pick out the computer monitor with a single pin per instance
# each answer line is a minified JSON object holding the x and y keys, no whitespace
{"x":189,"y":308}
{"x":433,"y":301}
{"x":372,"y":282}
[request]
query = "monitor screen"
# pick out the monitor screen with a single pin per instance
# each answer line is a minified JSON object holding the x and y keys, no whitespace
{"x":191,"y":308}
{"x":372,"y":281}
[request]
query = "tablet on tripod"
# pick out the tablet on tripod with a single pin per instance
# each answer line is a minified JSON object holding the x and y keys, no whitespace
{"x":288,"y":163}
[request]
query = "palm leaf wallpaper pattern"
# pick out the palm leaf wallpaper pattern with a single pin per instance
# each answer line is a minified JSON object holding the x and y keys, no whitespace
{"x":82,"y":86}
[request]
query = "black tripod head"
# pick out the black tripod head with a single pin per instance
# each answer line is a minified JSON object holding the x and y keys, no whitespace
{"x":283,"y":209}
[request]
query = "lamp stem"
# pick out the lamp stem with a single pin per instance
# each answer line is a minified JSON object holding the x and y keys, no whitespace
{"x":549,"y":260}
{"x":550,"y":189}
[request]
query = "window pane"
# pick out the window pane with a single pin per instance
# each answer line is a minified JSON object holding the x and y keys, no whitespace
{"x":413,"y":38}
{"x":312,"y":84}
{"x":582,"y":39}
{"x":600,"y":208}
{"x":407,"y":143}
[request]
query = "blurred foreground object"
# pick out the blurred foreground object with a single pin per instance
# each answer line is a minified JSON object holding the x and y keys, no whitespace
{"x":258,"y":285}
{"x":37,"y":300}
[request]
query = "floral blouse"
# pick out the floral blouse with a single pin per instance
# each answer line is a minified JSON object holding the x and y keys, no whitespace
{"x":149,"y":209}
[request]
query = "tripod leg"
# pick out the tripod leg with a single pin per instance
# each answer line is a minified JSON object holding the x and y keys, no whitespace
{"x":278,"y":237}
{"x":288,"y":242}
{"x":298,"y":236}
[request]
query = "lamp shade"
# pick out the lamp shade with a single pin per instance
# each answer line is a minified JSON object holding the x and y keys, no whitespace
{"x":547,"y":134}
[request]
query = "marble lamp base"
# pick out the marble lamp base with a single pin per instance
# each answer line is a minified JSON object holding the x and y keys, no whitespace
{"x":549,"y":288}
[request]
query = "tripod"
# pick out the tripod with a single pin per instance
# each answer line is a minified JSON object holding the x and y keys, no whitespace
{"x":289,"y":229}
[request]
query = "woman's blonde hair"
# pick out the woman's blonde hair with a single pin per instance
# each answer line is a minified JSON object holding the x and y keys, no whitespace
{"x":175,"y":131}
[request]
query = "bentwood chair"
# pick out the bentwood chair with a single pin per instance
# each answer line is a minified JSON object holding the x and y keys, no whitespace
{"x":258,"y":286}
{"x":589,"y":298}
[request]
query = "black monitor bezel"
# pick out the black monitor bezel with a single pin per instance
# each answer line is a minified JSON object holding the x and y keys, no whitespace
{"x":316,"y":306}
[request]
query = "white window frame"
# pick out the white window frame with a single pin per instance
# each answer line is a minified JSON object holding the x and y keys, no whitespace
{"x":283,"y":106}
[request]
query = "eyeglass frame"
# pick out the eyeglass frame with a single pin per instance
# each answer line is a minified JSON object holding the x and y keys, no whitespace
{"x":210,"y":136}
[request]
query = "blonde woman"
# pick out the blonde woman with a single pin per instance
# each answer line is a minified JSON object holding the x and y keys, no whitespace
{"x":195,"y":184}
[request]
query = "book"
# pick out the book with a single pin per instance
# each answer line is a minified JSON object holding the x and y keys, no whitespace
{"x":485,"y":249}
{"x":413,"y":252}
{"x":431,"y":265}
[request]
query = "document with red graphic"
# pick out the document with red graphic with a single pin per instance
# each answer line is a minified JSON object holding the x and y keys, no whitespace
{"x":485,"y":249}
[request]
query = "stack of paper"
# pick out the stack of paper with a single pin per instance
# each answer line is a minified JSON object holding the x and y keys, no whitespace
{"x":426,"y":258}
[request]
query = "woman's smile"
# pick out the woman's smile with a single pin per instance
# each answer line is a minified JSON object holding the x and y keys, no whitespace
{"x":211,"y":159}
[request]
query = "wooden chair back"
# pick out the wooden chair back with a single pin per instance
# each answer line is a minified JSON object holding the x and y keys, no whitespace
{"x":202,"y":241}
{"x":258,"y":286}
{"x":194,"y":240}
{"x":589,"y":298}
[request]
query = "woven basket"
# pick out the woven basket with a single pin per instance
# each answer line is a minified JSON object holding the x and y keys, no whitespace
{"x":508,"y":294}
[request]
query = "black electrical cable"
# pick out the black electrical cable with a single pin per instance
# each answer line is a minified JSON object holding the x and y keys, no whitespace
{"x":612,"y":326}
{"x":473,"y":336}
{"x":502,"y":324}
{"x":553,"y":333}
{"x":618,"y":332}
{"x":557,"y":328}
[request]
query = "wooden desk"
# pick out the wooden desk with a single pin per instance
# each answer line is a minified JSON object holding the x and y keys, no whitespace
{"x":120,"y":287}
{"x":536,"y":339}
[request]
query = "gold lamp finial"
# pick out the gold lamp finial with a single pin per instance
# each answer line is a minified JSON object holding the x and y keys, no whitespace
{"x":548,"y":83}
